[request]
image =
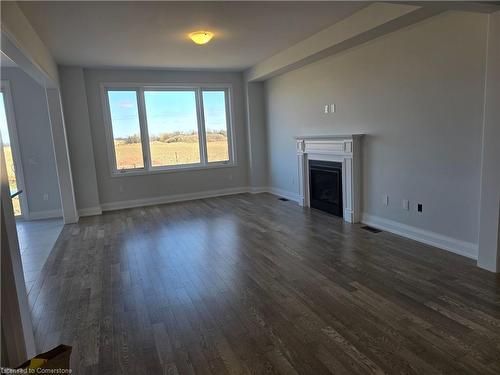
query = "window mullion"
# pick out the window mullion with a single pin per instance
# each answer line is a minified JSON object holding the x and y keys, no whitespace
{"x":201,"y":127}
{"x":146,"y":152}
{"x":229,"y":127}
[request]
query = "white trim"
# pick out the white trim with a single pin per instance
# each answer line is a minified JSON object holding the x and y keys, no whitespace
{"x":285,"y":194}
{"x":198,"y":195}
{"x":467,"y":249}
{"x":275,"y":191}
{"x":120,"y":205}
{"x":166,"y":85}
{"x":40,"y":215}
{"x":10,"y":114}
{"x":143,"y":129}
{"x":89,"y":211}
{"x":200,"y":118}
{"x":177,"y":168}
{"x":61,"y":155}
{"x":258,"y":189}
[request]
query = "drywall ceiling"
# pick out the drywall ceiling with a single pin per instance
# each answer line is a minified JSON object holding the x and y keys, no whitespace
{"x":154,"y":34}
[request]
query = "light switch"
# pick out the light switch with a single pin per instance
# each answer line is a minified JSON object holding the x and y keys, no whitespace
{"x":332,"y":108}
{"x":327,"y":109}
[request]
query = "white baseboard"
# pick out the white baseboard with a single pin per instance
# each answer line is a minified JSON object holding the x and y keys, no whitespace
{"x":192,"y":196}
{"x":258,"y":189}
{"x":467,"y":249}
{"x":275,"y":191}
{"x":171,"y":198}
{"x":89,"y":211}
{"x":120,"y":205}
{"x":285,"y":194}
{"x":40,"y":215}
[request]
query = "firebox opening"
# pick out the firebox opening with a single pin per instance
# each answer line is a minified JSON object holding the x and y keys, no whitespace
{"x":325,"y":186}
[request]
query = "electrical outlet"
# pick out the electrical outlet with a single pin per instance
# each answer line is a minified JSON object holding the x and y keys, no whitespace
{"x":327,"y":109}
{"x":385,"y":200}
{"x":406,"y":204}
{"x":46,"y":196}
{"x":419,"y":207}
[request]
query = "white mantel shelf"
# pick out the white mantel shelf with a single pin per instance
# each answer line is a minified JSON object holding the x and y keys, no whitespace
{"x":345,"y":149}
{"x":333,"y":137}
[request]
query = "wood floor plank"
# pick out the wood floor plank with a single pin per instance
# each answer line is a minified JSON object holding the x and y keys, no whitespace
{"x":249,"y":284}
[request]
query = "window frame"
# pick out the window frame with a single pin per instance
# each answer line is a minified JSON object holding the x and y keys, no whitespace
{"x":148,"y":168}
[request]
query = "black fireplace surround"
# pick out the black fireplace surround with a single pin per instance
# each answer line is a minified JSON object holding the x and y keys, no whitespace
{"x":325,"y":186}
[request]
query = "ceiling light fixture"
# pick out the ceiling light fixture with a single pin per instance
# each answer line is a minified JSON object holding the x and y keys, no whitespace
{"x":201,"y":37}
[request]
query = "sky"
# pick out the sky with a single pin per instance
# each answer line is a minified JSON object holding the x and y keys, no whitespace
{"x":166,"y":111}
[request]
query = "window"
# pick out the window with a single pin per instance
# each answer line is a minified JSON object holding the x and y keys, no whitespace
{"x":10,"y":148}
{"x":9,"y":156}
{"x":214,"y":112}
{"x":173,"y":127}
{"x":157,"y":128}
{"x":126,"y":129}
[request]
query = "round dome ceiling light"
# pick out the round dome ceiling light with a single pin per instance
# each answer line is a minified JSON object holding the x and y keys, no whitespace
{"x":201,"y":37}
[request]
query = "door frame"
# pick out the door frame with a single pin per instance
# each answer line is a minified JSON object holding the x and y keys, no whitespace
{"x":14,"y":145}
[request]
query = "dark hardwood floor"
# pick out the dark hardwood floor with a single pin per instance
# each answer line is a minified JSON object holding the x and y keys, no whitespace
{"x":250,"y":284}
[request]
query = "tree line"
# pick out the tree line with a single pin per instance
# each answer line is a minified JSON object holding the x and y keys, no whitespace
{"x":212,"y":135}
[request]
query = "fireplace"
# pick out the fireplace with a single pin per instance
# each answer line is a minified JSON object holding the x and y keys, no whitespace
{"x":337,"y":163}
{"x":325,"y":186}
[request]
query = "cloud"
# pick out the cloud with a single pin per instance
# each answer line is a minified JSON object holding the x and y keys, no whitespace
{"x":126,"y":104}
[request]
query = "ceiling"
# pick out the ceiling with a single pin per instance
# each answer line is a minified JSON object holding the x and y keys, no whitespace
{"x":154,"y":34}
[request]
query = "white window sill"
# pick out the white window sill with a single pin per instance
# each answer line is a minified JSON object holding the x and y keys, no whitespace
{"x":171,"y":169}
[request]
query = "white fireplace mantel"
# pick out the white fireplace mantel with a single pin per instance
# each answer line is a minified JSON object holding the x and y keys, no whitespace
{"x":345,"y":149}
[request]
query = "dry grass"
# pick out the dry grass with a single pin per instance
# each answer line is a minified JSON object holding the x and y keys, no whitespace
{"x":9,"y":162}
{"x":174,"y":153}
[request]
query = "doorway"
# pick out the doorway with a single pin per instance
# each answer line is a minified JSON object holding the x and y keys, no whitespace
{"x":10,"y":146}
{"x":30,"y":169}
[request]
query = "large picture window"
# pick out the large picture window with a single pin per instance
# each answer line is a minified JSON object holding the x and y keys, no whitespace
{"x":153,"y":129}
{"x":173,"y":127}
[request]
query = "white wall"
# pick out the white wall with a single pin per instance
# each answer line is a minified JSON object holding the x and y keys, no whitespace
{"x":35,"y":142}
{"x":113,"y":190}
{"x":257,"y":135}
{"x":76,"y":115}
{"x":417,"y":94}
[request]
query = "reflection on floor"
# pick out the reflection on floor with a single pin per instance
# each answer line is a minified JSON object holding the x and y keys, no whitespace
{"x":36,"y":240}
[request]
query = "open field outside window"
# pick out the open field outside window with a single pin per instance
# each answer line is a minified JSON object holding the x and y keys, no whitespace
{"x":162,"y":128}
